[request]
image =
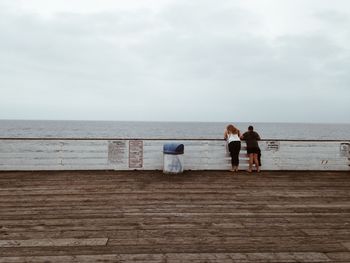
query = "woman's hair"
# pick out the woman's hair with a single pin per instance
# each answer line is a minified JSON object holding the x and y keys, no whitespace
{"x":232,"y":129}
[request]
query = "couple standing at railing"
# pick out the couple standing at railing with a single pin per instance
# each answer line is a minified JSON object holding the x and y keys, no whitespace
{"x":233,"y":137}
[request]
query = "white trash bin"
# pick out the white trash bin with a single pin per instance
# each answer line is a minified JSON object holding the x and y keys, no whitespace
{"x":173,"y":158}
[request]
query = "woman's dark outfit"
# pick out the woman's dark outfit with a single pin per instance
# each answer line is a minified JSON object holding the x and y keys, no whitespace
{"x":234,"y":146}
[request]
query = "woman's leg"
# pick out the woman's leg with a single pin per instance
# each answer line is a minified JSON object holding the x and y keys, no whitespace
{"x":236,"y":150}
{"x":231,"y":149}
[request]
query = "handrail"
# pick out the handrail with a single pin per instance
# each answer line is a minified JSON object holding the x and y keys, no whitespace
{"x":150,"y":139}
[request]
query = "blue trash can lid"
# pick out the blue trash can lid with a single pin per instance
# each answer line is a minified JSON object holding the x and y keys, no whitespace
{"x":173,"y":148}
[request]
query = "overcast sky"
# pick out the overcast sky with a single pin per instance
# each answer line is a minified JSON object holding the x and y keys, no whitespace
{"x":175,"y":60}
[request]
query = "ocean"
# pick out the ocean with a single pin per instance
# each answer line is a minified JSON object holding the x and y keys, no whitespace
{"x":167,"y":130}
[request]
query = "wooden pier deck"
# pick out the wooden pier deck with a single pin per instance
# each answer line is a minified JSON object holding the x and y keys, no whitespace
{"x":202,"y":216}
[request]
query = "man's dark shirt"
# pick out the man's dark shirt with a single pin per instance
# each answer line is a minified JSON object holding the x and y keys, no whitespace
{"x":251,"y":138}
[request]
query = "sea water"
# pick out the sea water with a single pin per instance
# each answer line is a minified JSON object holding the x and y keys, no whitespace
{"x":167,"y":130}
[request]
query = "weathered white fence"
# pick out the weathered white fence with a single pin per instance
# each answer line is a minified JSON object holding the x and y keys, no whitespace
{"x":146,"y":154}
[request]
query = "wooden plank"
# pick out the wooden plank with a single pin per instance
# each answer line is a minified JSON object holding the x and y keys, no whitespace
{"x":339,"y":256}
{"x":54,"y":242}
{"x":347,"y":245}
{"x":180,"y":258}
{"x":52,"y":167}
{"x":155,"y":233}
{"x":196,"y":248}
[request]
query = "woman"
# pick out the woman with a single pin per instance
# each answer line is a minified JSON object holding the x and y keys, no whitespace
{"x":232,"y":136}
{"x":251,"y":137}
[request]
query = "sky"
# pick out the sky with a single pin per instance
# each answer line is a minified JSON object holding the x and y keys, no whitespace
{"x":175,"y":60}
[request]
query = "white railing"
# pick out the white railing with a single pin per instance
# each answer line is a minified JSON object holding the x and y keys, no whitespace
{"x":146,"y":154}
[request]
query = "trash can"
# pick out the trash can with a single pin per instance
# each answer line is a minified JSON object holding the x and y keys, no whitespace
{"x":173,"y":158}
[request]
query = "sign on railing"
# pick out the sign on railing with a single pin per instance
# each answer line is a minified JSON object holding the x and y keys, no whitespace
{"x":272,"y":145}
{"x":135,"y":154}
{"x":345,"y":149}
{"x":116,"y":152}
